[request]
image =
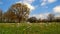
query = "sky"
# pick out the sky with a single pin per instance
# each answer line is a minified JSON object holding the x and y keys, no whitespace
{"x":38,"y":8}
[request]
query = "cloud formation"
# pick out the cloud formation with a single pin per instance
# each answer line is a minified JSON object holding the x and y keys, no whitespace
{"x":42,"y":16}
{"x":28,"y":3}
{"x":45,"y":2}
{"x":51,"y":1}
{"x":38,"y":16}
{"x":56,"y":9}
{"x":30,"y":6}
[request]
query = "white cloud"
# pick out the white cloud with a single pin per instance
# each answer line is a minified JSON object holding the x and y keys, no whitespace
{"x":42,"y":16}
{"x":56,"y":9}
{"x":30,"y":6}
{"x":45,"y":2}
{"x":51,"y":1}
{"x":57,"y":16}
{"x":39,"y":16}
{"x":28,"y":3}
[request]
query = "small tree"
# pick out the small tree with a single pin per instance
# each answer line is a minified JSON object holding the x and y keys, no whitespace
{"x":32,"y":20}
{"x":50,"y":17}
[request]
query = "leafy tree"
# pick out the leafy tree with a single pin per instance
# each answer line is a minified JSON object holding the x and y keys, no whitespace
{"x":32,"y":20}
{"x":21,"y":11}
{"x":9,"y":16}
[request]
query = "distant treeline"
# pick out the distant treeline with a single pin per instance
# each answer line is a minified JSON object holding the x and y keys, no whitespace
{"x":49,"y":19}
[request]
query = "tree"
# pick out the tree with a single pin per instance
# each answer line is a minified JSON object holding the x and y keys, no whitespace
{"x":57,"y":19}
{"x":1,"y":13}
{"x":9,"y":16}
{"x":21,"y":11}
{"x":50,"y":17}
{"x":32,"y":20}
{"x":39,"y":20}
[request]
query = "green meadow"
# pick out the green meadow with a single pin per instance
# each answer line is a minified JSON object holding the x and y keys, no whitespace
{"x":29,"y":28}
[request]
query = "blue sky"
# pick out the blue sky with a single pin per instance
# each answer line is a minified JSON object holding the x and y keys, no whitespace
{"x":39,"y":8}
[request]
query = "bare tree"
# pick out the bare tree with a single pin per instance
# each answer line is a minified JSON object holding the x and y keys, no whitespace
{"x":50,"y":17}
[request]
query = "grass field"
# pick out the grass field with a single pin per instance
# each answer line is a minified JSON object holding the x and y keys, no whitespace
{"x":29,"y":28}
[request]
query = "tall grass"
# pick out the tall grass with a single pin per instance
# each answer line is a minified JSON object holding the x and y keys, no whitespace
{"x":29,"y":28}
